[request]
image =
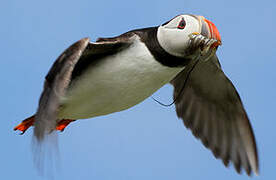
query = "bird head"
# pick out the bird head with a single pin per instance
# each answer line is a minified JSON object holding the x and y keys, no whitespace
{"x":185,"y":34}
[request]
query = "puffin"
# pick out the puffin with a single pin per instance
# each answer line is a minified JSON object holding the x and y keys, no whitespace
{"x":109,"y":75}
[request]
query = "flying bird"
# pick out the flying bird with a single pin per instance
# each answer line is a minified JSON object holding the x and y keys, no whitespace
{"x":91,"y":79}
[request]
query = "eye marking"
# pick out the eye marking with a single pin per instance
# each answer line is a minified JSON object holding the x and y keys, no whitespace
{"x":182,"y":24}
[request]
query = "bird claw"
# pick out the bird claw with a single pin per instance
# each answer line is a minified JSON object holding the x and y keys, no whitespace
{"x":22,"y":132}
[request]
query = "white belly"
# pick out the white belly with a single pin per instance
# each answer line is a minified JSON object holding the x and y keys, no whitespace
{"x":116,"y":83}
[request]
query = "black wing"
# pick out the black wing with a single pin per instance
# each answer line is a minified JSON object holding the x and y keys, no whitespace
{"x":211,"y":107}
{"x":70,"y":64}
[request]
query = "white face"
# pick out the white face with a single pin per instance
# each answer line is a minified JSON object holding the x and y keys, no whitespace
{"x":174,"y":35}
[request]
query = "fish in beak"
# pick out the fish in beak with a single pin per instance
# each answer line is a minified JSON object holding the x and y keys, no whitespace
{"x":207,"y":38}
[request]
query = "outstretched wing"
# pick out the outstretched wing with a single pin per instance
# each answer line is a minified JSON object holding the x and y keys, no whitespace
{"x":69,"y":65}
{"x":211,"y":107}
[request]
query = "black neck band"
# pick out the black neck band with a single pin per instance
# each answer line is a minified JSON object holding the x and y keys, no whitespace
{"x":149,"y":37}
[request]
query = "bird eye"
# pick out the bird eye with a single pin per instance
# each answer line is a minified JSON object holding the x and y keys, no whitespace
{"x":182,"y":24}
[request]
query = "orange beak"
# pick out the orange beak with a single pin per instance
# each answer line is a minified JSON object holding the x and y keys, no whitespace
{"x":209,"y":30}
{"x":214,"y":33}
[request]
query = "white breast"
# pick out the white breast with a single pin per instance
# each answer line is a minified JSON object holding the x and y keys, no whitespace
{"x":117,"y":83}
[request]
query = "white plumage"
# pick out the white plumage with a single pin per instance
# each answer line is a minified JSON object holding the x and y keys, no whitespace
{"x":116,"y":83}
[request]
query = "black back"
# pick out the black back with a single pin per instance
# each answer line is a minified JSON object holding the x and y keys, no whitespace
{"x":109,"y":46}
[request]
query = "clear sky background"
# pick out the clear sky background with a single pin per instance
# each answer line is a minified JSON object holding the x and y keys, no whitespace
{"x":146,"y":141}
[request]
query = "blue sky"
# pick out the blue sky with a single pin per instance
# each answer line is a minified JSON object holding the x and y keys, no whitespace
{"x":146,"y":141}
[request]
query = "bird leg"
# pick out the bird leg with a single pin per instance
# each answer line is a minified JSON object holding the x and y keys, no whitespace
{"x":25,"y":124}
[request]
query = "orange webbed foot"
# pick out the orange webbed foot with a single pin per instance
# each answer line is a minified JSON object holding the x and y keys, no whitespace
{"x":25,"y":124}
{"x":63,"y":124}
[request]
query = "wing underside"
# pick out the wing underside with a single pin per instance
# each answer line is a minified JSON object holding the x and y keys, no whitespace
{"x":210,"y":106}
